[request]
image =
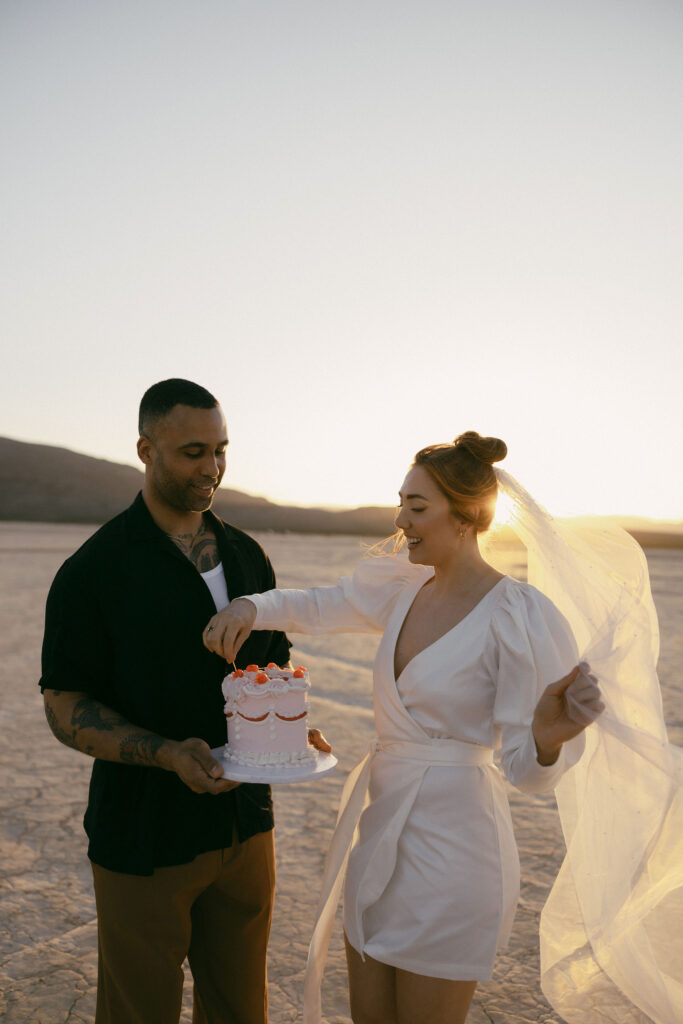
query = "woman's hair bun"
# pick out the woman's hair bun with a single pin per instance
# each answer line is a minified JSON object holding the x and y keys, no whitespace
{"x":485,"y":449}
{"x":463,"y":471}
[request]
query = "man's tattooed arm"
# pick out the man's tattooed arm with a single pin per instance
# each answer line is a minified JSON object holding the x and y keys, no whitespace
{"x":85,"y":724}
{"x":141,"y":748}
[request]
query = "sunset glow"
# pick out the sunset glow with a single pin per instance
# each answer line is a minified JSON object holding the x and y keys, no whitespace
{"x":364,"y":228}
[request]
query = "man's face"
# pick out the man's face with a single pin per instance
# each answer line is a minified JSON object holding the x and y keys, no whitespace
{"x":185,"y":457}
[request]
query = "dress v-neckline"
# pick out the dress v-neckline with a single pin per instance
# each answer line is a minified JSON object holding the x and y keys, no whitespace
{"x":438,"y":640}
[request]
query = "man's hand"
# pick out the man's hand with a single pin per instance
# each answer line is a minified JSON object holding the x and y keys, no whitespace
{"x":194,"y":764}
{"x":564,"y":710}
{"x":226,"y":632}
{"x":317,"y":740}
{"x":85,"y":724}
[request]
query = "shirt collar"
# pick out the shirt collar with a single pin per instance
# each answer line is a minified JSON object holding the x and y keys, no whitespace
{"x":142,"y":526}
{"x":139,"y":521}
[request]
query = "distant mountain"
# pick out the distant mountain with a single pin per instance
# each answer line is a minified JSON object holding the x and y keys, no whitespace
{"x":42,"y":483}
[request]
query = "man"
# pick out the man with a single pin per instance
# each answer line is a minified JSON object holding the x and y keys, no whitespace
{"x":182,"y":859}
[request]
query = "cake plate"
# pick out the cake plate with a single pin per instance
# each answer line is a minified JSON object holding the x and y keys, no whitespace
{"x":277,"y":773}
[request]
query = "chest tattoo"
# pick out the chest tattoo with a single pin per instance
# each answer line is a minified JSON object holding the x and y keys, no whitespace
{"x":199,"y":547}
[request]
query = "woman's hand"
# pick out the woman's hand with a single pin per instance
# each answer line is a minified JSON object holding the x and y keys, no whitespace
{"x":564,"y":710}
{"x":226,"y":632}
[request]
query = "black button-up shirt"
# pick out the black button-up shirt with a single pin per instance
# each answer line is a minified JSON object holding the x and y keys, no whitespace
{"x":124,"y":623}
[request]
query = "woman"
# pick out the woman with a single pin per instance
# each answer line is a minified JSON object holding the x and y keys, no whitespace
{"x":433,"y":879}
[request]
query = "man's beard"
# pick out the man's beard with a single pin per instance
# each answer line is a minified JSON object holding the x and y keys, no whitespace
{"x":182,"y":496}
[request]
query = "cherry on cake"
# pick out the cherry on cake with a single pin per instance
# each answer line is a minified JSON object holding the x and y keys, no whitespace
{"x":267,"y":716}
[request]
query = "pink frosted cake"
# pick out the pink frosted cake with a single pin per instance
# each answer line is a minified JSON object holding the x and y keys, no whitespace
{"x":267,"y":715}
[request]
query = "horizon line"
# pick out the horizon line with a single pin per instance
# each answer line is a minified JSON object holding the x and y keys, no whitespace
{"x":621,"y":516}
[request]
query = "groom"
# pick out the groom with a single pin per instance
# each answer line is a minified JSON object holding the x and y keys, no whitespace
{"x":182,"y":859}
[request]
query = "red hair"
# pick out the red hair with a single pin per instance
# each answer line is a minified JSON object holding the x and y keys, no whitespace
{"x":463,"y":472}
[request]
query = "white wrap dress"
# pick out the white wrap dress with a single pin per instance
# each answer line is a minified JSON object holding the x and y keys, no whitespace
{"x":432,"y":880}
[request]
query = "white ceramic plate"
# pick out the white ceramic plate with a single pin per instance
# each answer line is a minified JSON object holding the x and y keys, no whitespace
{"x":323,"y":765}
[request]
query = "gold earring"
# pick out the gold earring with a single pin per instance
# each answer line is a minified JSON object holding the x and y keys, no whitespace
{"x":462,"y":531}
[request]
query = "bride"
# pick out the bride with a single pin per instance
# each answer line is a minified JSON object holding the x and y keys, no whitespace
{"x":432,"y":877}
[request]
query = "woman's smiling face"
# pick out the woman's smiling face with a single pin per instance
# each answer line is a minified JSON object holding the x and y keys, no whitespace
{"x":425,"y":517}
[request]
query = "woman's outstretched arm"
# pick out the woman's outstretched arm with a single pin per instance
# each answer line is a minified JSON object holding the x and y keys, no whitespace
{"x":361,"y":603}
{"x":313,"y":611}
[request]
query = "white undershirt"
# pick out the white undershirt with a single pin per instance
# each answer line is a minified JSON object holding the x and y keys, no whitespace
{"x":215,"y":581}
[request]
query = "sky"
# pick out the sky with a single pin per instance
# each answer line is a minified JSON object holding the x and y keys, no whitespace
{"x":364,"y":226}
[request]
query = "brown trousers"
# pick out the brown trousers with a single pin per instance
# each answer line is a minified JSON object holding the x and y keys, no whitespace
{"x":216,"y":911}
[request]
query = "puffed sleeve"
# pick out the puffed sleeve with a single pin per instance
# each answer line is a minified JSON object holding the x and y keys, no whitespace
{"x":530,"y":646}
{"x":361,"y":603}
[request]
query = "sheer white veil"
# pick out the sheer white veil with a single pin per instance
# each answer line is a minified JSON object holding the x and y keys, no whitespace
{"x":612,"y":928}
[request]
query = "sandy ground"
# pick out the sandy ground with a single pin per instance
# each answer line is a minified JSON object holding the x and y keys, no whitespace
{"x":48,"y":956}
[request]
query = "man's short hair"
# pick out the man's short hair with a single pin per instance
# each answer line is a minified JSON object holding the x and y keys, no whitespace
{"x":158,"y":400}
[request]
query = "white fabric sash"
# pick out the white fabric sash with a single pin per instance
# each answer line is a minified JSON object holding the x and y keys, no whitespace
{"x":454,"y":752}
{"x":354,"y":796}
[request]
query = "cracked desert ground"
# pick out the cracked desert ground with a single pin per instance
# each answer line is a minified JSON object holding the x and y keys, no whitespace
{"x":49,"y":955}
